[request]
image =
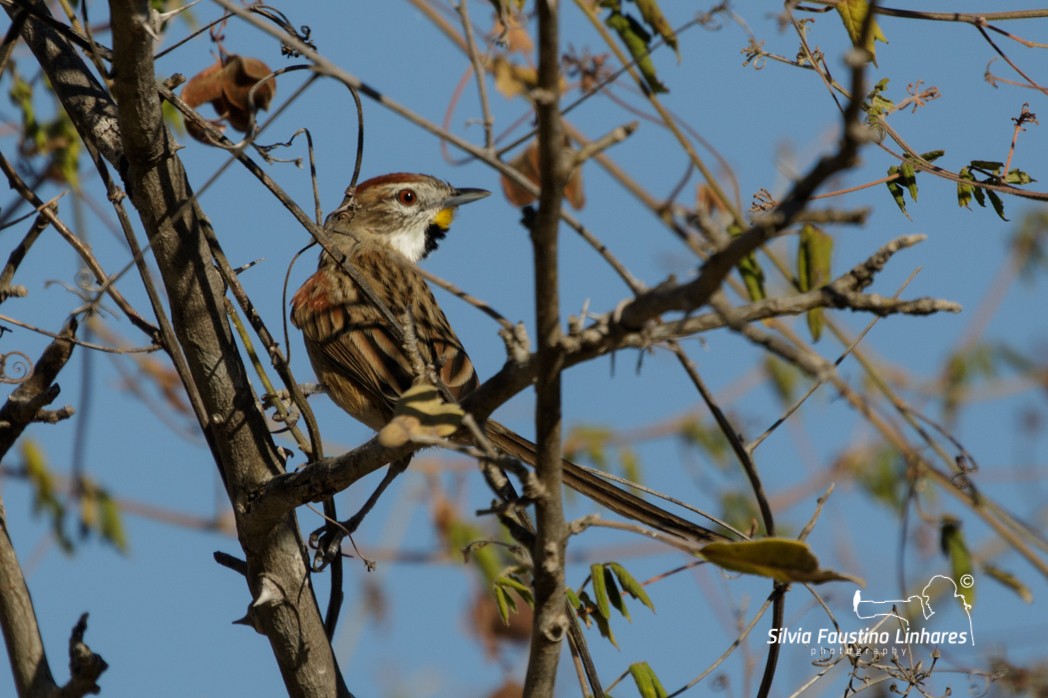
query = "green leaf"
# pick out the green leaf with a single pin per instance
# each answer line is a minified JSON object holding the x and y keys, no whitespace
{"x":1010,"y":581}
{"x":853,"y":14}
{"x":783,"y":378}
{"x":980,"y":196}
{"x":878,"y":104}
{"x":630,"y":464}
{"x":653,"y":17}
{"x":751,"y":272}
{"x":964,"y":190}
{"x":897,"y":192}
{"x":951,"y":541}
{"x":510,"y":581}
{"x":573,"y":598}
{"x":647,"y":682}
{"x":909,"y":178}
{"x":782,"y":559}
{"x":614,"y":595}
{"x":814,"y":253}
{"x":636,"y":39}
{"x":752,"y":277}
{"x":111,"y":523}
{"x":630,"y":585}
{"x":991,"y":166}
{"x":502,"y":603}
{"x":998,"y":205}
{"x":932,"y":155}
{"x":1018,"y":177}
{"x":600,"y":590}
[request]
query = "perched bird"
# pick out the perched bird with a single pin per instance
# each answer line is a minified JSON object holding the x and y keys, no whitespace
{"x":384,"y":226}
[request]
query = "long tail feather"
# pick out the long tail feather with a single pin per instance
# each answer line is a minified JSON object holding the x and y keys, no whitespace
{"x":601,"y":491}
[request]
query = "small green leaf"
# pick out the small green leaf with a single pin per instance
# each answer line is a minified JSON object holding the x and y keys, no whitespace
{"x":897,"y":192}
{"x":781,"y":559}
{"x":636,"y":40}
{"x":630,"y":585}
{"x":814,"y":253}
{"x":653,"y":17}
{"x":980,"y":196}
{"x":1009,"y":580}
{"x":951,"y":541}
{"x":600,"y":591}
{"x":752,"y":277}
{"x":932,"y":155}
{"x":853,"y":14}
{"x":964,"y":190}
{"x":573,"y":598}
{"x":998,"y":205}
{"x":502,"y":603}
{"x":1018,"y":177}
{"x":783,"y":378}
{"x":647,"y":682}
{"x":111,"y":523}
{"x":614,"y":595}
{"x":909,"y":178}
{"x":630,"y":464}
{"x":878,"y":104}
{"x":523,"y":590}
{"x":991,"y":166}
{"x":605,"y":628}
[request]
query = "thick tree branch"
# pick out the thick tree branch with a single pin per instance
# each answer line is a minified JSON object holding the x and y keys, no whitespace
{"x":550,"y":620}
{"x":176,"y":227}
{"x":131,"y":135}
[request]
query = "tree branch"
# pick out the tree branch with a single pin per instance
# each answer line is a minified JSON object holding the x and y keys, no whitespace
{"x":550,"y":620}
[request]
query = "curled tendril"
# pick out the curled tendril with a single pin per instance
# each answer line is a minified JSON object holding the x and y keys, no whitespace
{"x":22,"y":368}
{"x":280,"y":19}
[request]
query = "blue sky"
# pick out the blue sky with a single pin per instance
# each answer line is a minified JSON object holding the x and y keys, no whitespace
{"x":166,"y":607}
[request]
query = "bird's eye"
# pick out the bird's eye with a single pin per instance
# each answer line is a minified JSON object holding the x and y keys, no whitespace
{"x":407,"y":197}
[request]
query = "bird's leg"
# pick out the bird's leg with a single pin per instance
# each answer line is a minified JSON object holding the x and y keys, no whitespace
{"x":328,"y":539}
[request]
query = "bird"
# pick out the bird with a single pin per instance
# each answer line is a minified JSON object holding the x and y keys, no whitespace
{"x":351,"y":331}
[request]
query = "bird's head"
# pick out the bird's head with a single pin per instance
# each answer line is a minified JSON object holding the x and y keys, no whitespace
{"x":410,"y":213}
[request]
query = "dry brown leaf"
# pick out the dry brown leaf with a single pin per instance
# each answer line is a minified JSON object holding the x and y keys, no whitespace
{"x":527,"y":163}
{"x":227,"y":86}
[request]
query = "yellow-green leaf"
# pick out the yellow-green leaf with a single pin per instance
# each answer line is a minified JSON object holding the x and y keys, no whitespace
{"x":951,"y":541}
{"x":630,"y":585}
{"x":600,"y":590}
{"x":111,"y":524}
{"x":636,"y":39}
{"x":647,"y":682}
{"x":783,"y":378}
{"x":502,"y":603}
{"x":652,"y":14}
{"x":39,"y":475}
{"x":781,"y":559}
{"x":909,"y":178}
{"x":853,"y":14}
{"x":964,"y":190}
{"x":630,"y":464}
{"x":752,"y":277}
{"x":813,"y":269}
{"x":510,"y":581}
{"x":614,"y":595}
{"x":573,"y":598}
{"x":1009,"y":580}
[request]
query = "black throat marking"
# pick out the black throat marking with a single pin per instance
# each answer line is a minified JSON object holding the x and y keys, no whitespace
{"x":434,"y":234}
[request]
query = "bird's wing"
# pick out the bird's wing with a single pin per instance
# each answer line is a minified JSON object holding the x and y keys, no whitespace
{"x":350,"y":340}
